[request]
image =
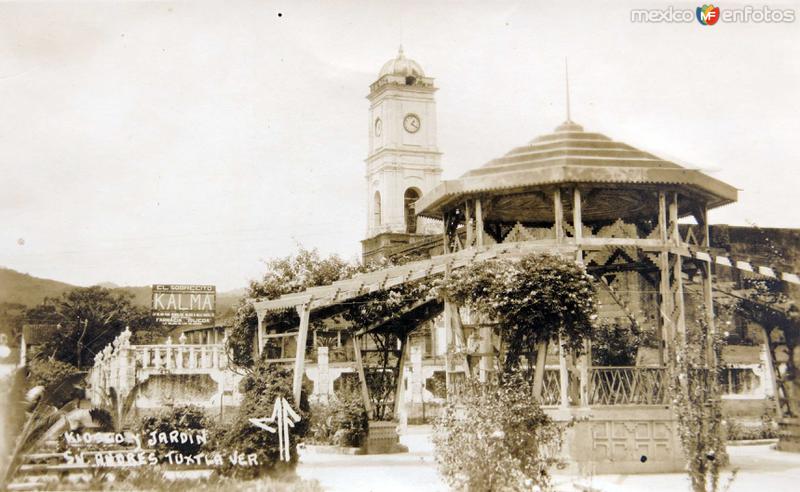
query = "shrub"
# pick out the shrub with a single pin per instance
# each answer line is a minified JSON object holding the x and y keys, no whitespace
{"x":260,"y":388}
{"x":46,"y":372}
{"x":615,"y":344}
{"x":189,"y":420}
{"x":495,"y":436}
{"x":736,"y":431}
{"x":341,"y":422}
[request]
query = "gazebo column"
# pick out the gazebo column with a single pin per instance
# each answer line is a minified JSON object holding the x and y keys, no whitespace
{"x":677,"y":269}
{"x":585,"y":359}
{"x":708,"y":288}
{"x":577,"y":223}
{"x":479,"y":222}
{"x":558,"y":215}
{"x":672,"y":306}
{"x":468,"y":224}
{"x":665,"y":295}
{"x":563,"y":375}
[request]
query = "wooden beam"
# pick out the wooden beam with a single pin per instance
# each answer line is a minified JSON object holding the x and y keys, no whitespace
{"x":674,"y":232}
{"x":458,"y":329}
{"x":577,"y":222}
{"x":361,"y":377}
{"x":708,"y":290}
{"x":558,"y":215}
{"x":300,"y":357}
{"x":662,"y":216}
{"x":260,"y":335}
{"x":467,"y":224}
{"x":538,"y":375}
{"x":563,"y":374}
{"x":446,"y":233}
{"x":585,"y":361}
{"x":665,"y":305}
{"x":479,"y":222}
{"x":401,"y":367}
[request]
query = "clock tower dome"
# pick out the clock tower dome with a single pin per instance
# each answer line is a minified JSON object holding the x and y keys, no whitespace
{"x":403,"y":160}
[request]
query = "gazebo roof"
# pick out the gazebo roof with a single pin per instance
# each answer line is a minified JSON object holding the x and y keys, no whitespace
{"x":572,"y":155}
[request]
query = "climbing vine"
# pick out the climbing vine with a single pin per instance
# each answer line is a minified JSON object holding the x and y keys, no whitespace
{"x":698,"y":406}
{"x":533,"y":300}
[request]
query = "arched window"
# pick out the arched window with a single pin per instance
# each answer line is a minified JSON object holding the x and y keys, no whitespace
{"x":411,"y":196}
{"x":376,"y":210}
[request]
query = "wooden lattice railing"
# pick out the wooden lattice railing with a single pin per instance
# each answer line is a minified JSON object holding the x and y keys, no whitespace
{"x":628,"y":386}
{"x":551,"y":387}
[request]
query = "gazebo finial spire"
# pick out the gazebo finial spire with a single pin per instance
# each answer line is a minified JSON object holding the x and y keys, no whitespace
{"x":566,"y":80}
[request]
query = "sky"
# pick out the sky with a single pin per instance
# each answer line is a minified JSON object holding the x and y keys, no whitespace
{"x":152,"y":142}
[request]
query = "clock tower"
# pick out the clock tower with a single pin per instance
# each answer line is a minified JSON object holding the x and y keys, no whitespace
{"x":403,"y":161}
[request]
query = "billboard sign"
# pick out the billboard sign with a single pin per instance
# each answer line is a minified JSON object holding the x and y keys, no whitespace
{"x":184,"y":304}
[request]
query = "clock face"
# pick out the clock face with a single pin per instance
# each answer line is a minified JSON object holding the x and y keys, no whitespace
{"x":378,"y":127}
{"x":411,"y":123}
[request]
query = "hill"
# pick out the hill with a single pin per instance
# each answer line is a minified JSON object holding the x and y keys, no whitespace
{"x":22,"y":289}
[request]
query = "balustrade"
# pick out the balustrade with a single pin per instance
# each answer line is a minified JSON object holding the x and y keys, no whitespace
{"x":184,"y":356}
{"x":628,"y":386}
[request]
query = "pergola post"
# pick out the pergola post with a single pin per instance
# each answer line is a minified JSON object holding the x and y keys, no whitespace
{"x":479,"y":222}
{"x":446,"y":233}
{"x":361,"y":376}
{"x":300,"y":356}
{"x":400,"y":386}
{"x":259,"y":335}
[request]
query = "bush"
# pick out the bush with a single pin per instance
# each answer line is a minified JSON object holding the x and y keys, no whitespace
{"x":736,"y":431}
{"x":341,"y":422}
{"x":189,"y":420}
{"x":495,"y":436}
{"x":615,"y":344}
{"x":260,"y":388}
{"x":46,"y":372}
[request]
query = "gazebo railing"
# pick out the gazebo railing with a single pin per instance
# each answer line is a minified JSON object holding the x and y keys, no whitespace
{"x":628,"y":386}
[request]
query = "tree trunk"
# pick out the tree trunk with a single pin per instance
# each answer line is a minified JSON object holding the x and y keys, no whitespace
{"x":79,"y":348}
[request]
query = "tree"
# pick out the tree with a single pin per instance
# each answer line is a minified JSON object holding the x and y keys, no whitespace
{"x":90,"y":318}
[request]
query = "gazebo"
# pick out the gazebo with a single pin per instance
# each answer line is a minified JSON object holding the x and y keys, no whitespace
{"x":585,"y":196}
